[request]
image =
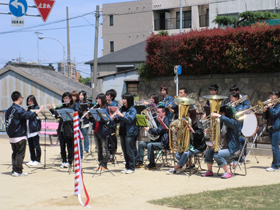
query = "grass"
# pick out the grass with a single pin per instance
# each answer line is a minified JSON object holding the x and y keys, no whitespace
{"x":258,"y":197}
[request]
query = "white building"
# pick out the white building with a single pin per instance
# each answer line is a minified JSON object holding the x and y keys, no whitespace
{"x":128,"y":23}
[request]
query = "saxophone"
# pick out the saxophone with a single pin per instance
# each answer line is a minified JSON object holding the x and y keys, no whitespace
{"x":179,"y":134}
{"x":151,"y":123}
{"x":215,"y":124}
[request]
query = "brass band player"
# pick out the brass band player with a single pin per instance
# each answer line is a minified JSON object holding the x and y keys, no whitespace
{"x":232,"y":136}
{"x":160,"y":143}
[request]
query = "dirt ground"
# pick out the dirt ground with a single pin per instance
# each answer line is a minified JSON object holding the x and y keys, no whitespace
{"x":54,"y":188}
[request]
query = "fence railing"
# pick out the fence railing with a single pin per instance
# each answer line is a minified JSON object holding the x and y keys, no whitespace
{"x":2,"y":121}
{"x":171,"y":23}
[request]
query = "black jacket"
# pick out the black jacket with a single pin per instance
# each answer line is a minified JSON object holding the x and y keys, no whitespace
{"x":197,"y":138}
{"x":34,"y":124}
{"x":65,"y":129}
{"x":16,"y":118}
{"x":164,"y":138}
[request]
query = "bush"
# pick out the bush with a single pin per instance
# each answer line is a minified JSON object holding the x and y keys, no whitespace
{"x":241,"y":50}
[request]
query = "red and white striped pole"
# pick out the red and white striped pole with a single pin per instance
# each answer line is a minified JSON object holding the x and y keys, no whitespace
{"x":78,"y":165}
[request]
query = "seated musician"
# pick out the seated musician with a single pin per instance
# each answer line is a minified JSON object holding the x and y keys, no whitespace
{"x":158,"y":144}
{"x":167,"y":100}
{"x":232,"y":136}
{"x":271,"y":112}
{"x":173,"y":108}
{"x":154,"y":102}
{"x":213,"y":90}
{"x":197,"y":144}
{"x":245,"y":103}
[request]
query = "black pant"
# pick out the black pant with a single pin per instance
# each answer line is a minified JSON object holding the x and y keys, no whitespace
{"x":102,"y":149}
{"x":70,"y":148}
{"x":34,"y":148}
{"x":18,"y":155}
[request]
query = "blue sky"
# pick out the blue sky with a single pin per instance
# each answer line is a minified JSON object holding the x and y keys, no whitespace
{"x":24,"y":43}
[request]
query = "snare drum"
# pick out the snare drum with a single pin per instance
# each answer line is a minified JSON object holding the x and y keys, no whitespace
{"x":250,"y":124}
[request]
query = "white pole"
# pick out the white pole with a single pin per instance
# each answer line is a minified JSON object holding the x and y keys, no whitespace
{"x":181,"y":17}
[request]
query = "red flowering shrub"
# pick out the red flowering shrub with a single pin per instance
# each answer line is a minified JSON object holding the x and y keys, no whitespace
{"x":231,"y":50}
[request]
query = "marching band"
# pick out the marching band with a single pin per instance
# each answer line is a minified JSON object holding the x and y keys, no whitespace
{"x":173,"y":124}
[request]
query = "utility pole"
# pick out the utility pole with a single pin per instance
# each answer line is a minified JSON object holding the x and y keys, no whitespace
{"x":181,"y":16}
{"x":68,"y":46}
{"x":37,"y":33}
{"x":94,"y":67}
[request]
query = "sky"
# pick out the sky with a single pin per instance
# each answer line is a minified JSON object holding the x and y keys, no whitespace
{"x":24,"y":43}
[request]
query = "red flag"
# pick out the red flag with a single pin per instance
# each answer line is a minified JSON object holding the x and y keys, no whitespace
{"x":44,"y":7}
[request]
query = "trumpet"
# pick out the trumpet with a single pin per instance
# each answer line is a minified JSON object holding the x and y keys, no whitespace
{"x":142,"y":102}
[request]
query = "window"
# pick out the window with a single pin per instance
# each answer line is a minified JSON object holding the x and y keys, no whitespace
{"x":186,"y":19}
{"x":111,"y":20}
{"x":132,"y":87}
{"x":111,"y":46}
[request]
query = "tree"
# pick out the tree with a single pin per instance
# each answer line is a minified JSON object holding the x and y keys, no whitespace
{"x":84,"y":80}
{"x":245,"y":18}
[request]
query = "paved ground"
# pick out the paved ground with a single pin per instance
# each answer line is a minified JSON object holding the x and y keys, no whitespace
{"x":54,"y":188}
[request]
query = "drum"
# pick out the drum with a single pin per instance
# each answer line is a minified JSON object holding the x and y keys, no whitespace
{"x":250,"y":124}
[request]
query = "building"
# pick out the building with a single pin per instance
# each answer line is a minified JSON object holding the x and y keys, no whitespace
{"x":72,"y":69}
{"x":46,"y":84}
{"x":118,"y":70}
{"x":128,"y":23}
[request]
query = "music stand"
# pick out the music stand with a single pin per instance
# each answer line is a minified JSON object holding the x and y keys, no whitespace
{"x":67,"y":115}
{"x":45,"y":115}
{"x":101,"y":115}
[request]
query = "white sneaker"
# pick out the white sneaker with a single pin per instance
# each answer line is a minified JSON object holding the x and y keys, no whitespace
{"x":124,"y":171}
{"x":15,"y":174}
{"x":67,"y":165}
{"x":36,"y":163}
{"x":62,"y":165}
{"x":129,"y":171}
{"x":30,"y":163}
{"x":171,"y":171}
{"x":270,"y":169}
{"x":124,"y":162}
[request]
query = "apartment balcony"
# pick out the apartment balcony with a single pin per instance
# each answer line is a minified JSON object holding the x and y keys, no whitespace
{"x":171,"y":23}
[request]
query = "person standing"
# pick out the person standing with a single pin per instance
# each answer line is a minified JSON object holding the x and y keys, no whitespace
{"x":126,"y":116}
{"x":33,"y":130}
{"x":271,"y":113}
{"x":65,"y":130}
{"x":15,"y":125}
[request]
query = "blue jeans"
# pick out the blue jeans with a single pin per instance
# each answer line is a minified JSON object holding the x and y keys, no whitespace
{"x":151,"y":147}
{"x":183,"y":157}
{"x":274,"y":137}
{"x":128,"y":144}
{"x":86,"y":141}
{"x":220,"y":156}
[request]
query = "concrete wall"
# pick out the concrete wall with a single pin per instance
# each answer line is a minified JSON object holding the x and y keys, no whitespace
{"x":11,"y":81}
{"x":117,"y":82}
{"x":133,"y":22}
{"x":256,"y":86}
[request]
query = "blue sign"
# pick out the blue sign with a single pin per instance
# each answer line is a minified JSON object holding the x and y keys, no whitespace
{"x":18,"y":7}
{"x":179,"y":70}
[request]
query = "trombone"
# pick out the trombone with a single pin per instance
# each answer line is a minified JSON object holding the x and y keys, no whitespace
{"x":260,"y":105}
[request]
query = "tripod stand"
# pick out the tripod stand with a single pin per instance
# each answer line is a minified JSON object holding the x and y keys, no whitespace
{"x":44,"y":115}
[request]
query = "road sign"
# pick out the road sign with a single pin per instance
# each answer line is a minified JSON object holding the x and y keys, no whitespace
{"x":19,"y":22}
{"x":18,"y":7}
{"x":178,"y":70}
{"x":44,"y":7}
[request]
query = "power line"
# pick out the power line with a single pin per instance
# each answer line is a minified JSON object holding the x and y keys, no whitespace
{"x":45,"y":24}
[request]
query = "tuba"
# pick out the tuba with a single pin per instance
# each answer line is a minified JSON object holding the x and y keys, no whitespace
{"x":215,"y":104}
{"x":151,"y":122}
{"x":179,"y":134}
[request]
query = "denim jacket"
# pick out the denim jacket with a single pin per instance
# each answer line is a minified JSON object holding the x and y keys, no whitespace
{"x":34,"y":124}
{"x":16,"y":118}
{"x":114,"y":103}
{"x":164,"y":138}
{"x":130,"y":121}
{"x":275,"y":116}
{"x":232,"y":135}
{"x":168,"y":100}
